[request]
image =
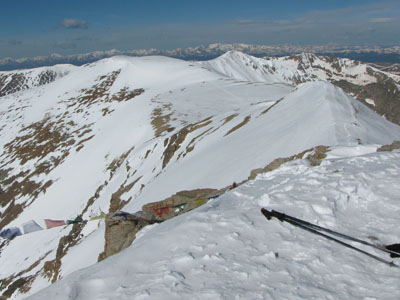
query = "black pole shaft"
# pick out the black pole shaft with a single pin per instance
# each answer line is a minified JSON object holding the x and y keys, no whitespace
{"x":316,"y":227}
{"x":283,"y":217}
{"x":390,"y":263}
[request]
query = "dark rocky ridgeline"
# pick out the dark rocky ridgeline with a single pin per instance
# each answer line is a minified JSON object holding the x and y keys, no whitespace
{"x":384,"y":93}
{"x":18,"y":81}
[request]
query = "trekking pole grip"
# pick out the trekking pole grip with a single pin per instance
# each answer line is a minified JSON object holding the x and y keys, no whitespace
{"x":270,"y":214}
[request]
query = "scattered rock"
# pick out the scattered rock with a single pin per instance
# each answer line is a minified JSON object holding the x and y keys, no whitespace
{"x":393,"y":146}
{"x":315,"y":156}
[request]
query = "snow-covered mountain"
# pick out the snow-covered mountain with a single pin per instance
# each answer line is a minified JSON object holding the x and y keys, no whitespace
{"x":377,"y":89}
{"x":123,"y":132}
{"x":296,"y":69}
{"x":363,"y":53}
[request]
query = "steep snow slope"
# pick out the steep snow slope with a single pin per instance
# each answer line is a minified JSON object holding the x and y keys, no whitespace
{"x":123,"y":132}
{"x":228,"y":250}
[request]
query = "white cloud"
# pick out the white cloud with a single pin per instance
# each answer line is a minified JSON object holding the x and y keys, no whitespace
{"x":381,"y":20}
{"x":74,"y":24}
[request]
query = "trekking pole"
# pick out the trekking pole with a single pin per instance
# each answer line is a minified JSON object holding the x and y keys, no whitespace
{"x":283,"y":217}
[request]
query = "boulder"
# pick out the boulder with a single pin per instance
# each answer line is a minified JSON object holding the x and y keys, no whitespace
{"x":121,"y":229}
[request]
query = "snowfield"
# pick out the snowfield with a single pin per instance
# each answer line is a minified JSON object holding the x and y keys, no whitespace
{"x":123,"y":132}
{"x":228,"y":250}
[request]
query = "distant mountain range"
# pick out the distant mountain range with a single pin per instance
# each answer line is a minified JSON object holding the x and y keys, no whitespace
{"x":362,"y":53}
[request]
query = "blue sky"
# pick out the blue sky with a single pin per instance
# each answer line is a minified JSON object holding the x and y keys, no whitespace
{"x":42,"y":27}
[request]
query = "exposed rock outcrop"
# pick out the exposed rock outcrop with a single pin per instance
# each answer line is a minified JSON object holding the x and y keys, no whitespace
{"x":121,"y":230}
{"x":121,"y":227}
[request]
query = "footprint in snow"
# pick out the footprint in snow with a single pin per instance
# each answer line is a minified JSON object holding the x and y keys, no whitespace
{"x":184,"y":259}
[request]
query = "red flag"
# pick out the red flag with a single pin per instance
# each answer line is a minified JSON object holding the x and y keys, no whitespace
{"x":53,"y":223}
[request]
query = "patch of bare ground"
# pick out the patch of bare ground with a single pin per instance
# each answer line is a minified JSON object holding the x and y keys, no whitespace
{"x":12,"y":212}
{"x":15,"y":82}
{"x":241,"y":124}
{"x":12,"y":83}
{"x":116,"y":203}
{"x":125,"y":94}
{"x":3,"y":243}
{"x":35,"y":144}
{"x":17,"y":282}
{"x":112,"y":168}
{"x":22,"y":284}
{"x":173,"y":143}
{"x":38,"y":140}
{"x":107,"y":111}
{"x":160,"y":121}
{"x":117,"y":162}
{"x":99,"y":93}
{"x":51,"y":268}
{"x":269,"y":108}
{"x":191,"y":145}
{"x":80,"y":144}
{"x":229,"y":118}
{"x":45,"y":145}
{"x":94,"y":197}
{"x":3,"y":80}
{"x":393,"y":146}
{"x":225,"y":121}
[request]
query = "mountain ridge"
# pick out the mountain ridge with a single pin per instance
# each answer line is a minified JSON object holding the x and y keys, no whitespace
{"x":376,"y":89}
